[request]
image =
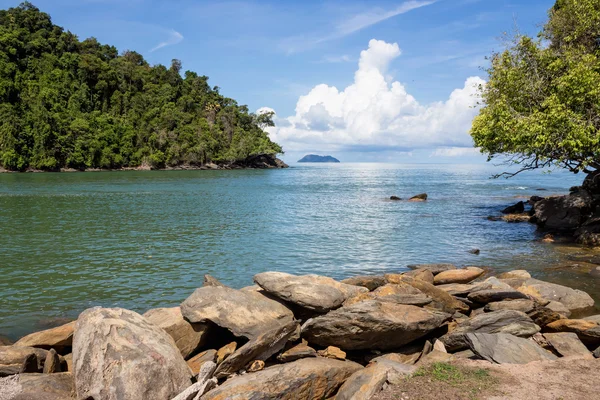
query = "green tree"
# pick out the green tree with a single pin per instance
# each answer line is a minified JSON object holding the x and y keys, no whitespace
{"x":79,"y":104}
{"x":541,"y":105}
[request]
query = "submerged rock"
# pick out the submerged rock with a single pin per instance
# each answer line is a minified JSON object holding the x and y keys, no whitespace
{"x":419,"y":197}
{"x":502,"y":348}
{"x":307,"y":379}
{"x":244,"y":313}
{"x":313,"y":292}
{"x":188,"y":337}
{"x":563,"y":213}
{"x":120,"y":355}
{"x":372,"y":325}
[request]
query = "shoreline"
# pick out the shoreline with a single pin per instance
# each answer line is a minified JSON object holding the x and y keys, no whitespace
{"x":272,"y":338}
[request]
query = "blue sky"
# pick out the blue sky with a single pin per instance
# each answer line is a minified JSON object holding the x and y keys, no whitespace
{"x":397,"y":106}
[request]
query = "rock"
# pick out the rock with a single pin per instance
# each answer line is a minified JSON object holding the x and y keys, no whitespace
{"x":204,"y":384}
{"x":575,"y":300}
{"x":306,"y":379}
{"x":371,"y":282}
{"x":465,"y":355}
{"x":434,"y":268}
{"x":595,"y":272}
{"x":244,"y":313}
{"x":4,"y":341}
{"x":543,"y":316}
{"x":474,"y":251}
{"x":365,"y":383}
{"x":297,"y":352}
{"x":454,"y":341}
{"x":523,"y":305}
{"x":462,"y":289}
{"x":118,"y":354}
{"x":257,"y":365}
{"x":410,"y":358}
{"x":563,"y":213}
{"x":225,"y":352}
{"x":593,"y":318}
{"x":52,"y":363}
{"x":446,"y":302}
{"x":548,"y":238}
{"x":419,"y":197}
{"x":502,"y":348}
{"x":567,"y":344}
{"x":372,"y":325}
{"x":401,"y":293}
{"x":316,"y":293}
{"x":188,"y":337}
{"x":69,"y":362}
{"x":212,"y":281}
{"x":464,"y":275}
{"x":591,"y":183}
{"x":495,"y":295}
{"x":439,"y":346}
{"x":31,"y":364}
{"x":596,"y":353}
{"x":560,"y":308}
{"x":332,"y":352}
{"x":515,"y":209}
{"x":422,"y":274}
{"x":37,"y":386}
{"x":196,"y":362}
{"x":12,"y":359}
{"x":59,"y":338}
{"x":427,"y":348}
{"x":396,"y":198}
{"x":587,"y":331}
{"x":504,"y":321}
{"x":495,"y":283}
{"x":260,"y":348}
{"x":435,"y":356}
{"x":518,"y":274}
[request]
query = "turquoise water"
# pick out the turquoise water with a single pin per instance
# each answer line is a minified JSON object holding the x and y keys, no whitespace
{"x":145,"y":239}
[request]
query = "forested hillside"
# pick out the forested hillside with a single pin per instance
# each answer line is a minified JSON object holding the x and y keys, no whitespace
{"x":66,"y":103}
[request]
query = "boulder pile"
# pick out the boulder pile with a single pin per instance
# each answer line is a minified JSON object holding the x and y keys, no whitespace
{"x":303,"y":337}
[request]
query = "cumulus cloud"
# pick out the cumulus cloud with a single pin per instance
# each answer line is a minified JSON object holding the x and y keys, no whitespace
{"x":376,"y":113}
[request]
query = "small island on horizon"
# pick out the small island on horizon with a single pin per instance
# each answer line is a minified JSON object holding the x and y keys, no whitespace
{"x":313,"y":158}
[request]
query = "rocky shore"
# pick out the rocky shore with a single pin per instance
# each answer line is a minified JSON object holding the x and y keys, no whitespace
{"x":258,"y":161}
{"x":303,"y":337}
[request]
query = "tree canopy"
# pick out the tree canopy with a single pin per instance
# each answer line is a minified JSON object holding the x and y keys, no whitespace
{"x":66,"y":103}
{"x":541,"y":105}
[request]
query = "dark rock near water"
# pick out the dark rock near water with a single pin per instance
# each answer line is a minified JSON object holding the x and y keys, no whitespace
{"x":504,"y":321}
{"x":434,"y":268}
{"x":118,"y":354}
{"x":567,"y":344}
{"x":515,"y":209}
{"x":574,"y":300}
{"x":396,"y":198}
{"x":258,"y":161}
{"x":419,"y":197}
{"x":563,"y":213}
{"x":372,"y":325}
{"x":371,"y":282}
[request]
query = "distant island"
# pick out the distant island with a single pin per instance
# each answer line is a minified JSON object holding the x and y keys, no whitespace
{"x":320,"y":159}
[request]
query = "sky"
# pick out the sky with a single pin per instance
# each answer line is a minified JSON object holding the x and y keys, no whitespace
{"x":365,"y":81}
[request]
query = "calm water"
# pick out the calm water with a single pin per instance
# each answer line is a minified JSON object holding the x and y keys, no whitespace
{"x":145,"y":239}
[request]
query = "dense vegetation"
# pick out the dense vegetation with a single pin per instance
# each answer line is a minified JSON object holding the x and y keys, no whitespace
{"x":542,"y":101}
{"x":79,"y":104}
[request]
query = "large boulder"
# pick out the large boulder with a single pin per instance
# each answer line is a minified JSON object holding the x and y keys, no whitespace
{"x":434,"y":268}
{"x":120,"y":355}
{"x":504,"y":321}
{"x":306,"y":379}
{"x":313,"y":292}
{"x":259,"y":348}
{"x":59,"y":339}
{"x":567,"y":344}
{"x":40,"y":387}
{"x":506,"y":349}
{"x":187,"y":336}
{"x":442,"y":299}
{"x":563,"y":213}
{"x":464,"y":275}
{"x":244,"y":313}
{"x":587,"y":331}
{"x":575,"y":300}
{"x":372,"y":325}
{"x":14,"y":358}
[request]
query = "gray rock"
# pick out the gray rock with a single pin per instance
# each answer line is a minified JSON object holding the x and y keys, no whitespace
{"x":463,"y":289}
{"x":306,"y":379}
{"x":12,"y":359}
{"x":372,"y":325}
{"x":593,"y":318}
{"x":523,"y":305}
{"x":302,"y":350}
{"x":313,"y":292}
{"x":575,"y":300}
{"x":120,"y":355}
{"x":259,"y":348}
{"x":494,"y":295}
{"x":244,"y":313}
{"x":188,"y":337}
{"x":503,"y":321}
{"x":365,"y":383}
{"x":37,"y":386}
{"x":52,"y":363}
{"x":212,"y":281}
{"x":371,"y":282}
{"x":567,"y":344}
{"x":502,"y":348}
{"x":434,"y":268}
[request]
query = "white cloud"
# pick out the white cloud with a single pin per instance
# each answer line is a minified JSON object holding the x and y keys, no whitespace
{"x":336,"y":59}
{"x":376,"y":113}
{"x":174,"y":37}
